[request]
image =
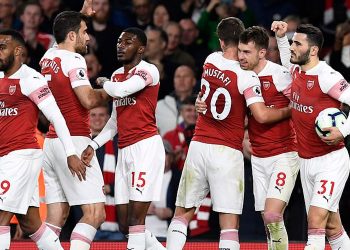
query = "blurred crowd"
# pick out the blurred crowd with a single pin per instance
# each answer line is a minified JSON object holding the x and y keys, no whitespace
{"x":180,"y":36}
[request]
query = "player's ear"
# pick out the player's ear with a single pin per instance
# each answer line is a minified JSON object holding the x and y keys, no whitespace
{"x":18,"y":51}
{"x":262,"y":53}
{"x":141,"y":49}
{"x":314,"y":50}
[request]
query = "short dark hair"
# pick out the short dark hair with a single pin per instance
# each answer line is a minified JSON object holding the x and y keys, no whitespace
{"x":139,"y":33}
{"x":255,"y":34}
{"x":163,"y":35}
{"x":66,"y":22}
{"x":229,"y":29}
{"x":314,"y":35}
{"x":16,"y":36}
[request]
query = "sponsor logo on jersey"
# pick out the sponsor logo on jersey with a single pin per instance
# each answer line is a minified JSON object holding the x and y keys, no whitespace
{"x":8,"y":112}
{"x":257,"y":90}
{"x":310,"y":84}
{"x":343,"y":85}
{"x":126,"y":101}
{"x":298,"y":106}
{"x":142,"y":73}
{"x":44,"y":92}
{"x":266,"y":85}
{"x":80,"y":73}
{"x":12,"y":89}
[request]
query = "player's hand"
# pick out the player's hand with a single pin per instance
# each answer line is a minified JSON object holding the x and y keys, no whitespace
{"x":87,"y":8}
{"x":87,"y":155}
{"x":76,"y":167}
{"x":334,"y":137}
{"x":201,"y":106}
{"x":101,"y":80}
{"x":280,"y":28}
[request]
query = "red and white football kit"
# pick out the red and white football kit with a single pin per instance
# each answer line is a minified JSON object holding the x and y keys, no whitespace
{"x":141,"y":155}
{"x":21,"y":96}
{"x":215,"y":161}
{"x":324,"y":168}
{"x":65,"y":71}
{"x":275,"y":162}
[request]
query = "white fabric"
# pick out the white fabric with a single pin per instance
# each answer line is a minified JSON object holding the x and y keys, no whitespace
{"x":86,"y":231}
{"x":108,"y":132}
{"x":274,"y":177}
{"x":49,"y":240}
{"x":5,"y":239}
{"x":21,"y":168}
{"x":136,"y":241}
{"x":54,"y":115}
{"x":143,"y":163}
{"x":176,"y":237}
{"x":228,"y":245}
{"x":70,"y":62}
{"x":280,"y":75}
{"x":283,"y":47}
{"x":215,"y":168}
{"x":335,"y":168}
{"x":167,"y":115}
{"x":342,"y":242}
{"x":30,"y":82}
{"x":125,"y":88}
{"x":151,"y":242}
{"x":60,"y":185}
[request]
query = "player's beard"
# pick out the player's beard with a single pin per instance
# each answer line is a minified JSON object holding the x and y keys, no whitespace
{"x":80,"y":47}
{"x":7,"y":63}
{"x":302,"y":59}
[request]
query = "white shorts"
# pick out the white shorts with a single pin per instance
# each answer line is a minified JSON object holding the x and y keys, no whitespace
{"x":140,"y":170}
{"x":274,"y":177}
{"x":323,"y":179}
{"x":60,"y":185}
{"x":215,"y":168}
{"x":19,"y":172}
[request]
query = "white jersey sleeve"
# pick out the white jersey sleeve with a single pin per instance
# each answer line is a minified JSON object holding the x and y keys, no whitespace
{"x":333,"y":83}
{"x":249,"y":86}
{"x":283,"y":47}
{"x":108,"y":131}
{"x":145,"y":74}
{"x":282,"y":80}
{"x":74,"y":66}
{"x":35,"y":87}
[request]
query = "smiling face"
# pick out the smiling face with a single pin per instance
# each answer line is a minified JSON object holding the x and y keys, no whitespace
{"x":128,"y":47}
{"x":300,"y":49}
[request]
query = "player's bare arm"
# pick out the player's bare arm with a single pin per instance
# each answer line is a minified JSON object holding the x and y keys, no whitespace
{"x":263,"y":114}
{"x":91,"y":98}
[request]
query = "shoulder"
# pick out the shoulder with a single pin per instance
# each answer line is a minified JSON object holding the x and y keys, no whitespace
{"x":326,"y":74}
{"x":213,"y":57}
{"x":149,"y":67}
{"x":30,"y":79}
{"x":147,"y":71}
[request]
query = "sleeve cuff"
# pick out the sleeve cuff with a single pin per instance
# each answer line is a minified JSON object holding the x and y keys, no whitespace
{"x":94,"y":145}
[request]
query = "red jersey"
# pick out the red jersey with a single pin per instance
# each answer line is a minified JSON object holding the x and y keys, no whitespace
{"x":136,"y":112}
{"x":313,"y":91}
{"x":19,"y":96}
{"x":65,"y":71}
{"x":228,"y":90}
{"x":276,"y":138}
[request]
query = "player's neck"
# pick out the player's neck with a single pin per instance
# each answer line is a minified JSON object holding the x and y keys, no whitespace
{"x":131,"y":64}
{"x":16,"y":66}
{"x":230,"y":53}
{"x":66,"y":46}
{"x":260,"y":66}
{"x":313,"y":62}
